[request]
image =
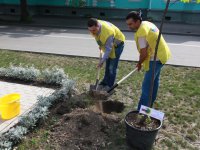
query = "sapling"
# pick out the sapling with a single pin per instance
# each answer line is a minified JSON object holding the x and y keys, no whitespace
{"x":148,"y":120}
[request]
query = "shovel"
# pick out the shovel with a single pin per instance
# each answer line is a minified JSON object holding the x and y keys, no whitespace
{"x":120,"y":81}
{"x":103,"y":95}
{"x":95,"y":87}
{"x":98,"y":72}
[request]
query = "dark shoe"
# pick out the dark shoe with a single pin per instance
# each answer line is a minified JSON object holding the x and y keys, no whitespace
{"x":106,"y":88}
{"x":102,"y":83}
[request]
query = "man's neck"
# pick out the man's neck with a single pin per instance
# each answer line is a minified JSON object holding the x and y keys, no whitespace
{"x":99,"y":29}
{"x":139,"y":26}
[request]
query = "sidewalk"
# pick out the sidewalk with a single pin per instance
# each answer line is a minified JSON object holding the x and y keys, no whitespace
{"x":81,"y":23}
{"x":28,"y":100}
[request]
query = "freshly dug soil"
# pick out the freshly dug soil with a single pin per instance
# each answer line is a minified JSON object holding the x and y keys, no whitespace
{"x":146,"y":125}
{"x":102,"y":103}
{"x":75,"y":101}
{"x":100,"y":93}
{"x":83,"y":129}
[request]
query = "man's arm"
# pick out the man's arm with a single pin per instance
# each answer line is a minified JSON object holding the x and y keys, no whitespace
{"x":108,"y":47}
{"x":143,"y":56}
{"x":143,"y":51}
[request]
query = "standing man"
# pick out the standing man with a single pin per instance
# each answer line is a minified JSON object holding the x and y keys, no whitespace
{"x":111,"y":41}
{"x":146,"y":37}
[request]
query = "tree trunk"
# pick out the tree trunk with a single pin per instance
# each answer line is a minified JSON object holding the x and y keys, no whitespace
{"x":24,"y":11}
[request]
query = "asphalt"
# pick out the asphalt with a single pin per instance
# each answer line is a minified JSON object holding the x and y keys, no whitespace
{"x":78,"y":42}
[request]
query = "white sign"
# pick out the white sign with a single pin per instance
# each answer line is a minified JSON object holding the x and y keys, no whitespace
{"x":152,"y":112}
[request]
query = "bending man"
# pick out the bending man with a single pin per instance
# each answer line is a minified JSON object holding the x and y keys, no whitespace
{"x":111,"y":41}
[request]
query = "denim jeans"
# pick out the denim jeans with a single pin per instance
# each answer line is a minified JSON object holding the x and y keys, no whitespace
{"x":111,"y":67}
{"x":146,"y":85}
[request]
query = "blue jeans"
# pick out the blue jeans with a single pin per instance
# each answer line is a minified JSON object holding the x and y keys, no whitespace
{"x":146,"y":85}
{"x":111,"y":67}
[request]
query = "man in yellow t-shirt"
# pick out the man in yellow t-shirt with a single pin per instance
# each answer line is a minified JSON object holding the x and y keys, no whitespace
{"x":111,"y":41}
{"x":146,"y":36}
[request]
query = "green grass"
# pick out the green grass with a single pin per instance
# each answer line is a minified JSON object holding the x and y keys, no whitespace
{"x":178,"y":96}
{"x":39,"y":137}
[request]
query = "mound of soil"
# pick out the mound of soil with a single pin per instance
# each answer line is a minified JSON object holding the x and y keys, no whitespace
{"x":75,"y":101}
{"x":83,"y":129}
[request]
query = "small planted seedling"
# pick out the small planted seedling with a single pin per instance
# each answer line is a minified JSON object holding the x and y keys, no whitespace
{"x":146,"y":112}
{"x":148,"y":120}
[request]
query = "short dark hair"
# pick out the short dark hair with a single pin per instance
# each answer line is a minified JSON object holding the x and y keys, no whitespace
{"x":92,"y":22}
{"x":134,"y":15}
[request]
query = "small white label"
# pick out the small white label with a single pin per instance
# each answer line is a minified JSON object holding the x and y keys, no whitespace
{"x":152,"y":112}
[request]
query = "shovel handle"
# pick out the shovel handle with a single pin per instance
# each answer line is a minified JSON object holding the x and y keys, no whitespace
{"x":97,"y":81}
{"x":112,"y":88}
{"x":124,"y":78}
{"x":98,"y":71}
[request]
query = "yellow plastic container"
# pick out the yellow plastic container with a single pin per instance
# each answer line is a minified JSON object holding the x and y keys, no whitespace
{"x":10,"y":106}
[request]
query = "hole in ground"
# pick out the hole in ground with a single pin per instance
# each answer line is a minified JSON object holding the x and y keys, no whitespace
{"x":110,"y":106}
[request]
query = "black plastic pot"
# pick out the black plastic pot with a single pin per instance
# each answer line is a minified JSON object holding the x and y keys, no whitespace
{"x":138,"y":139}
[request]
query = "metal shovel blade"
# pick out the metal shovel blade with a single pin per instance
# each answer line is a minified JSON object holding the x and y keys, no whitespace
{"x":98,"y":94}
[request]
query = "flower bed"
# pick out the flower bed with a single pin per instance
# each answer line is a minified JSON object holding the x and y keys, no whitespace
{"x":54,"y":76}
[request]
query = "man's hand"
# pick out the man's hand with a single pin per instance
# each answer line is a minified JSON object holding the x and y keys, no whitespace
{"x":139,"y":66}
{"x":143,"y":56}
{"x":100,"y":65}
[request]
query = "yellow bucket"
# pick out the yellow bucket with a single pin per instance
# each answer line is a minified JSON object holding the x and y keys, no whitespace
{"x":10,"y":106}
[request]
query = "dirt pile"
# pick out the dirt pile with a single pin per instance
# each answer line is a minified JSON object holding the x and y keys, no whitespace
{"x":83,"y":129}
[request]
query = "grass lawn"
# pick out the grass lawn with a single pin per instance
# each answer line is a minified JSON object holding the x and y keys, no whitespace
{"x":178,"y":97}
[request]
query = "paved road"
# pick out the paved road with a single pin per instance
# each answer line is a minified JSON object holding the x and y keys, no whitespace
{"x":185,"y":49}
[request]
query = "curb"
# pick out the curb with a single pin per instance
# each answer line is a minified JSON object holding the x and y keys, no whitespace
{"x":67,"y":55}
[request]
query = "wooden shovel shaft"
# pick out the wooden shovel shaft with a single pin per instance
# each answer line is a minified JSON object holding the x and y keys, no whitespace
{"x":96,"y":84}
{"x":113,"y":87}
{"x":98,"y":72}
{"x":125,"y":77}
{"x":120,"y":81}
